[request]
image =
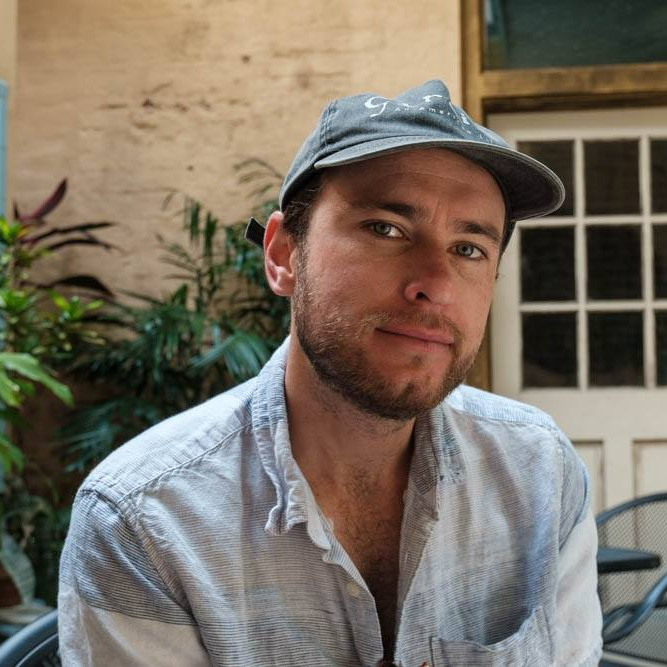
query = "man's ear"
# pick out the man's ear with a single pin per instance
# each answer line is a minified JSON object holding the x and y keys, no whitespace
{"x":279,"y":256}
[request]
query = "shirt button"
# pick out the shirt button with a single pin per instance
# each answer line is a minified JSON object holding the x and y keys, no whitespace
{"x":353,"y":590}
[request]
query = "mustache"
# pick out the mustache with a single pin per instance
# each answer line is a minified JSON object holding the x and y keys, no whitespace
{"x":422,"y":320}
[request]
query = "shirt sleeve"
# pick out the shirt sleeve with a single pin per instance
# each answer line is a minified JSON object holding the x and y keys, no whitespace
{"x":578,"y":632}
{"x":115,"y":608}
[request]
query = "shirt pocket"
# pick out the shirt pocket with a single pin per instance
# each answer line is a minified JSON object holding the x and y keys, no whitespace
{"x":530,"y":646}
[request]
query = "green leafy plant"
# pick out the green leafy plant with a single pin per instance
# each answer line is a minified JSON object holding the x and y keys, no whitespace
{"x":216,"y":328}
{"x":150,"y":356}
{"x":40,"y":329}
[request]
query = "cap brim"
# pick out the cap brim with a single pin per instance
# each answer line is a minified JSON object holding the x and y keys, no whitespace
{"x":531,"y":190}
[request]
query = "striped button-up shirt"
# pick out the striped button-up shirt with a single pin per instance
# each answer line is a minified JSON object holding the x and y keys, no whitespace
{"x":200,"y":543}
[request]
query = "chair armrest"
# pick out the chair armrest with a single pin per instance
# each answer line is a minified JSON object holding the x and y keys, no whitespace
{"x":32,"y":643}
{"x":636,"y":613}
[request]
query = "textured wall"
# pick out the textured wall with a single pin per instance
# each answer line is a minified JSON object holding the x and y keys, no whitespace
{"x":132,"y":98}
{"x":8,"y":11}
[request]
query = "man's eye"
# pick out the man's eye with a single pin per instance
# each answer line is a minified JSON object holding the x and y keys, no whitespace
{"x":469,"y":250}
{"x":386,"y":229}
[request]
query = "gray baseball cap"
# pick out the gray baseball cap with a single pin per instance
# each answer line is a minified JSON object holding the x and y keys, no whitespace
{"x":352,"y":129}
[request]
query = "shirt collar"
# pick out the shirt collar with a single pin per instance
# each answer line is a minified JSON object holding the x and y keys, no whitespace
{"x":436,"y":461}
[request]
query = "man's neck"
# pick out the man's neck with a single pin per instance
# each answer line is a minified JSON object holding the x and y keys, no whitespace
{"x":335,"y":443}
{"x":357,"y":466}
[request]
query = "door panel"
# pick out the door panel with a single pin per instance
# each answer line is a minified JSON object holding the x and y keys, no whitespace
{"x":579,"y":321}
{"x":649,"y":465}
{"x":591,"y":453}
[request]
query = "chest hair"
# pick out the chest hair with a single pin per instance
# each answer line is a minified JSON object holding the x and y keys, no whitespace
{"x":369,"y":528}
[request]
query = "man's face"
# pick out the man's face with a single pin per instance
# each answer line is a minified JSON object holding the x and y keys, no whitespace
{"x":395,"y":278}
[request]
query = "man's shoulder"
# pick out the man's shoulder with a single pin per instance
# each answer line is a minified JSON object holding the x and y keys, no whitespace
{"x":476,"y":404}
{"x":525,"y":440}
{"x":184,"y":440}
{"x":496,"y":425}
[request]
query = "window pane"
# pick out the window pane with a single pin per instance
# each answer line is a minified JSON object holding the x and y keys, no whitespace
{"x":557,"y":155}
{"x":549,"y":349}
{"x":547,"y":264}
{"x":614,"y":262}
{"x":615,"y":349}
{"x":525,"y":33}
{"x":661,"y":345}
{"x":659,"y":175}
{"x":611,"y":171}
{"x":660,"y":261}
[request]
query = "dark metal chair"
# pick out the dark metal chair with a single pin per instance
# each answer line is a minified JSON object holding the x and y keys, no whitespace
{"x":634,"y":604}
{"x":35,"y":645}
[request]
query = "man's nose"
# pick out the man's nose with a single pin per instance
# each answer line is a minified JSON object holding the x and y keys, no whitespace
{"x":431,"y":278}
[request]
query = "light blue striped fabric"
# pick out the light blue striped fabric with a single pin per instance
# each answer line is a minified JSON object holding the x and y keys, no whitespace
{"x":204,"y":527}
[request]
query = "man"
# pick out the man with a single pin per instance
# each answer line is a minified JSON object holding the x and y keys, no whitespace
{"x":353,"y":505}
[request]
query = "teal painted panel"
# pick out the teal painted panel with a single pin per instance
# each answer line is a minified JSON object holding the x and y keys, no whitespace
{"x":566,"y":33}
{"x":3,"y":145}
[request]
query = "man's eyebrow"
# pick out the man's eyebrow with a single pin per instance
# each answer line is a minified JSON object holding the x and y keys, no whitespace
{"x":418,"y":213}
{"x":483,"y":228}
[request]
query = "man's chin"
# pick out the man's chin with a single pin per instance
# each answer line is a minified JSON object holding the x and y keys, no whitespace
{"x":380,"y":383}
{"x":418,"y":376}
{"x":385,"y":402}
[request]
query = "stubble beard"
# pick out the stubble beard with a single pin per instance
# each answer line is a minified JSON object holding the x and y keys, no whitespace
{"x":331,"y":342}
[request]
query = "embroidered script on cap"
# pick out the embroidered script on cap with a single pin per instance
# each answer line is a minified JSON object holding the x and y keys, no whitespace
{"x":450,"y":110}
{"x":428,"y":104}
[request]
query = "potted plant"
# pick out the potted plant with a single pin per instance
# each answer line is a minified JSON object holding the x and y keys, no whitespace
{"x":40,"y":328}
{"x":216,"y":328}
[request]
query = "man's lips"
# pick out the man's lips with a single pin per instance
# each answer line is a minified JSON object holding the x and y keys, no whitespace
{"x":423,"y":335}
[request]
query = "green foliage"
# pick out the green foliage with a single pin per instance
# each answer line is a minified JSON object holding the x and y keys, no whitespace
{"x":13,"y":393}
{"x":33,"y":532}
{"x":150,"y":356}
{"x":215,"y":329}
{"x":40,"y":329}
{"x":14,"y":390}
{"x":32,"y":337}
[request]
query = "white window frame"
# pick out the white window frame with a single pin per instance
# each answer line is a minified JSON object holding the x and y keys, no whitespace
{"x":507,"y":310}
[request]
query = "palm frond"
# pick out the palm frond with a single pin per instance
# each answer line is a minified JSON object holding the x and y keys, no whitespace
{"x":242,"y":353}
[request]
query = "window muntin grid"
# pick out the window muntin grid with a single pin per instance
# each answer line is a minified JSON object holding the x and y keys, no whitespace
{"x":632,"y":227}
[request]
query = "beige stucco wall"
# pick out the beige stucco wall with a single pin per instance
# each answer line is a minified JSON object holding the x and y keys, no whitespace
{"x":8,"y":9}
{"x":8,"y":34}
{"x":132,"y":98}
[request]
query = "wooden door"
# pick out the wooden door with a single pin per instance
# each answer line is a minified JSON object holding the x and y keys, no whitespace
{"x":579,"y":321}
